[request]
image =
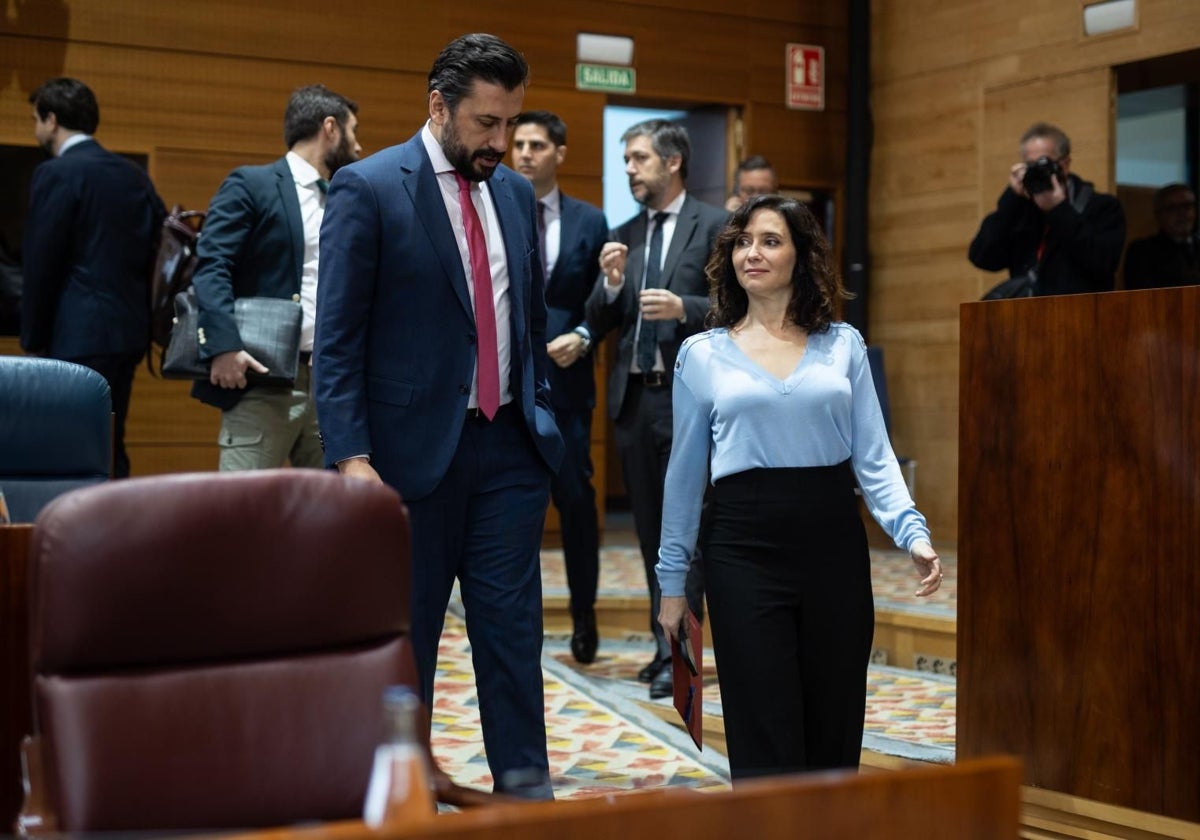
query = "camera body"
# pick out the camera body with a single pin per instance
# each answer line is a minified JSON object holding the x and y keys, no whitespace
{"x":1039,"y":175}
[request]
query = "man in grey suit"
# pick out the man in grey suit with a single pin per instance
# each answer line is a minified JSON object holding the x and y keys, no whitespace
{"x":653,"y":289}
{"x":261,"y":238}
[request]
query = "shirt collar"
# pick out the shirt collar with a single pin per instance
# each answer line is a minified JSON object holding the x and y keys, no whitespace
{"x":673,"y":208}
{"x":303,"y":172}
{"x":552,"y":200}
{"x":433,"y":148}
{"x":73,"y":141}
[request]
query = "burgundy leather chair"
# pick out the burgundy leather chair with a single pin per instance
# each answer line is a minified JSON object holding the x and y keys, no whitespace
{"x":210,"y":650}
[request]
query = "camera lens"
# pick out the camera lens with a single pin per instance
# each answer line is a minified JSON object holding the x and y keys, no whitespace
{"x":1039,"y":175}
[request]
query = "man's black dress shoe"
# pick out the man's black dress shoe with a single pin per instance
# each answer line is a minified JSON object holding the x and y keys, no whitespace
{"x":585,"y":640}
{"x":652,"y":670}
{"x":662,"y":686}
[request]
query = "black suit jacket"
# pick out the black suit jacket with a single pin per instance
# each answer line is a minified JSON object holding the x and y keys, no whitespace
{"x":252,"y":245}
{"x":90,"y":241}
{"x":1083,"y":247}
{"x":683,"y":273}
{"x":582,"y":233}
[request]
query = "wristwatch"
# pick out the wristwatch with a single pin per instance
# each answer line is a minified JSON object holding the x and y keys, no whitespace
{"x":582,"y":332}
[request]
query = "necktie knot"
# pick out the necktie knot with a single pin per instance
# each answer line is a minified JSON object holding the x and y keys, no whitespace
{"x":323,"y":185}
{"x":464,"y":185}
{"x":660,"y":218}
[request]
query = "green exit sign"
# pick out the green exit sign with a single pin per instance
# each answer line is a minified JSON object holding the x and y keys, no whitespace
{"x":606,"y":78}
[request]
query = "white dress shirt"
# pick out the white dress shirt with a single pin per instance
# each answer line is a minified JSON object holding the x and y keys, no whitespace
{"x":552,"y":216}
{"x":497,"y":258}
{"x":312,"y":211}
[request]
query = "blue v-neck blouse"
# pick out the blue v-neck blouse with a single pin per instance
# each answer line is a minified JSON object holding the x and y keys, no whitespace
{"x":731,"y":415}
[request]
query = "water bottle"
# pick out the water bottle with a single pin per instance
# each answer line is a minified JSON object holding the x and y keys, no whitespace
{"x":401,"y":790}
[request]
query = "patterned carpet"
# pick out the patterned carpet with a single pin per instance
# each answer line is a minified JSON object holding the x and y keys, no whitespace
{"x":603,"y":737}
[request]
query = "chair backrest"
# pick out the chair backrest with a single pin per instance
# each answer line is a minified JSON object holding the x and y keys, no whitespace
{"x":210,"y":650}
{"x":55,"y":431}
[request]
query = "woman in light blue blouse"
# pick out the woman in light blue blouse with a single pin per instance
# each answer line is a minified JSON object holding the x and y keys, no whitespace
{"x":776,"y":407}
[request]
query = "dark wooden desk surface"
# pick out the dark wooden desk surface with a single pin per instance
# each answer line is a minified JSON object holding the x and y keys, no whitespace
{"x":977,"y":799}
{"x":15,"y":717}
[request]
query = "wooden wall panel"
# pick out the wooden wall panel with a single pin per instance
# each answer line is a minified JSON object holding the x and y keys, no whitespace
{"x":201,"y":88}
{"x":954,"y":84}
{"x":377,"y":34}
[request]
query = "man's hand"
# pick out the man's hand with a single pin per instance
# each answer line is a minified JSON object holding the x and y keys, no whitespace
{"x":612,"y":262}
{"x":359,"y":468}
{"x":661,"y":305}
{"x":1016,"y":179}
{"x":567,"y":349}
{"x":1048,"y":200}
{"x":229,"y":369}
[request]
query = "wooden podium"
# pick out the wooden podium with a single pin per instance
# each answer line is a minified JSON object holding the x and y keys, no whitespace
{"x":1079,"y":543}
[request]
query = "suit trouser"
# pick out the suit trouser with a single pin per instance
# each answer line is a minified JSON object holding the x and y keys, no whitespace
{"x":118,"y":371}
{"x":792,"y":616}
{"x":483,"y":525}
{"x":643,"y":432}
{"x":271,"y":426}
{"x":573,"y":495}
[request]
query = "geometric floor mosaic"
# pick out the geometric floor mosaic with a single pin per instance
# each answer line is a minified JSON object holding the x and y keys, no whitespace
{"x":602,"y":740}
{"x":594,"y":747}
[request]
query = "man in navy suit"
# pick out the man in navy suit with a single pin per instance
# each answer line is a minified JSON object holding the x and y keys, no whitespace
{"x":572,"y":233}
{"x":90,"y":243}
{"x":653,"y":289}
{"x":261,"y":238}
{"x":430,"y":365}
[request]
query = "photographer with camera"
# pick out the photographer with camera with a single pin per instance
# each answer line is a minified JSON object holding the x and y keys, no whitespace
{"x":1050,"y":227}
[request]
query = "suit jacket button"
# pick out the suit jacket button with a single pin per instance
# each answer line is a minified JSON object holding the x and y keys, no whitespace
{"x":296,"y":298}
{"x":463,"y":389}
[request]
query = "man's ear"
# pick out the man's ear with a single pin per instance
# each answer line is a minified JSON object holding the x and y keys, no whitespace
{"x":439,"y":112}
{"x":674,"y":163}
{"x":560,"y":154}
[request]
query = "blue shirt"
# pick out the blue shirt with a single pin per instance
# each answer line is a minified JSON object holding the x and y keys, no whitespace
{"x":730,"y":416}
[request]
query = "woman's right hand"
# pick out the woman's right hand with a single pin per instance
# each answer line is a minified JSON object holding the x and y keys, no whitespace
{"x":670,"y":615}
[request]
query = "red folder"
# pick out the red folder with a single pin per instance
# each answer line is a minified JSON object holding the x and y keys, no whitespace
{"x":687,"y":676}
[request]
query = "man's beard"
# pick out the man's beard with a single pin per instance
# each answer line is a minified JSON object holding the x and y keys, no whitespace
{"x":462,"y":159}
{"x":338,"y":157}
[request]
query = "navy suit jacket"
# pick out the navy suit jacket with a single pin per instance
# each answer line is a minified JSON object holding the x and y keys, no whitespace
{"x":90,"y":242}
{"x":582,"y":233}
{"x":394,"y":353}
{"x":683,"y":273}
{"x":252,"y":245}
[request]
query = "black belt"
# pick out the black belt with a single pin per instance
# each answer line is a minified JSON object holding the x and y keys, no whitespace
{"x":652,"y":379}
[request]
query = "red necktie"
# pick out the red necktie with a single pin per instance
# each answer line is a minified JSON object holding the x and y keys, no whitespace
{"x":488,"y":369}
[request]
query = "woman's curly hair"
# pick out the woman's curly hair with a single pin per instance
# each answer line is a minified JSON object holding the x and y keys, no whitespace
{"x":816,"y":286}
